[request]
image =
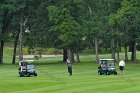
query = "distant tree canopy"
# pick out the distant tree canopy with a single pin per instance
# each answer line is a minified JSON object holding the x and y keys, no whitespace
{"x":72,"y":25}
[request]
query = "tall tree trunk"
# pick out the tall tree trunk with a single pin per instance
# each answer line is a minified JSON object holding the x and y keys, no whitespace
{"x":118,"y":49}
{"x":133,"y":48}
{"x":77,"y":55}
{"x":133,"y":55}
{"x":1,"y":51}
{"x":22,"y":26}
{"x":71,"y":55}
{"x":125,"y":45}
{"x":20,"y":40}
{"x":5,"y":23}
{"x":126,"y":53}
{"x":65,"y":55}
{"x":112,"y":48}
{"x":15,"y":47}
{"x":96,"y":41}
{"x":106,"y":49}
{"x":2,"y":45}
{"x":130,"y":47}
{"x":118,"y":56}
{"x":1,"y":58}
{"x":96,"y":49}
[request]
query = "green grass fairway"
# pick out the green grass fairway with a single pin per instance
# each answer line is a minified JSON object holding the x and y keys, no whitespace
{"x":53,"y":78}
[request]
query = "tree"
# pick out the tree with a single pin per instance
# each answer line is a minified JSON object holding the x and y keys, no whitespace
{"x":95,"y":22}
{"x":22,"y":13}
{"x":122,"y":19}
{"x":67,"y":25}
{"x":7,"y":9}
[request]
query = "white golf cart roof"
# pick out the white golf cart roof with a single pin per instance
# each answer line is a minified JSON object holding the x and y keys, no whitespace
{"x":106,"y":59}
{"x":27,"y":61}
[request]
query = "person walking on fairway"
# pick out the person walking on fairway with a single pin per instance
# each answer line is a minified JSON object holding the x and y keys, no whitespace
{"x":69,"y":64}
{"x":121,"y":66}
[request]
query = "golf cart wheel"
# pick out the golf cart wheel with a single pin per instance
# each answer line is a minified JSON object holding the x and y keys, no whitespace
{"x":99,"y":73}
{"x":35,"y":74}
{"x":107,"y":73}
{"x":28,"y":74}
{"x":20,"y":75}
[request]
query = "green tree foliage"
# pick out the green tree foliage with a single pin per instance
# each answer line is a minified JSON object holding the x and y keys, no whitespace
{"x":72,"y":24}
{"x":124,"y":19}
{"x":70,"y":32}
{"x":7,"y":9}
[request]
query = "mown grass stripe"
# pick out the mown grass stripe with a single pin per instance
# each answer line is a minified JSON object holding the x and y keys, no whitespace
{"x":53,"y":78}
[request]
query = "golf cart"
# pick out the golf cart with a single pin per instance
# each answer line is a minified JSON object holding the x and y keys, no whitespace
{"x":26,"y":68}
{"x":107,"y":66}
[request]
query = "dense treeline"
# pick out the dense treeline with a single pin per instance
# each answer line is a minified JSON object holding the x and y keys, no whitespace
{"x":71,"y":25}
